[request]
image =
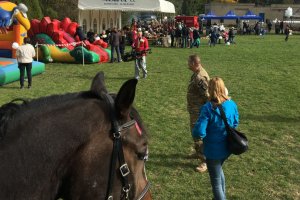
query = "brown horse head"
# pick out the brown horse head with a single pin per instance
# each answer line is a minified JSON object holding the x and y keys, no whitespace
{"x":62,"y":146}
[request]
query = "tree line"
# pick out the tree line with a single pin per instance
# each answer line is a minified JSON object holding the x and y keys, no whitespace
{"x":59,"y":9}
{"x":56,"y":9}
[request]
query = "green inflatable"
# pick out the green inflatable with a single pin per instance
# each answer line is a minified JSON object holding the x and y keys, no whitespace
{"x":89,"y":56}
{"x":9,"y":71}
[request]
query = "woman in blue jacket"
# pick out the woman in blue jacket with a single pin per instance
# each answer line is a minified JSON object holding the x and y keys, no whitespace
{"x":211,"y":129}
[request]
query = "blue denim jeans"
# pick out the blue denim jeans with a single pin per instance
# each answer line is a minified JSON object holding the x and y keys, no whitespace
{"x":140,"y":63}
{"x":217,"y":178}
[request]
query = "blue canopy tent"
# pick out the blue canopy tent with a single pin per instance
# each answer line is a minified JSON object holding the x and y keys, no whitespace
{"x":230,"y":15}
{"x":250,"y":15}
{"x":209,"y":15}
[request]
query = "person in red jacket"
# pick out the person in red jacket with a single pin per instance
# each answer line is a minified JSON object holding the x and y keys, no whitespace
{"x":140,"y":46}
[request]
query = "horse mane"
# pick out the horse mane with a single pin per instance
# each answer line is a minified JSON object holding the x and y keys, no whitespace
{"x":7,"y":111}
{"x":12,"y":109}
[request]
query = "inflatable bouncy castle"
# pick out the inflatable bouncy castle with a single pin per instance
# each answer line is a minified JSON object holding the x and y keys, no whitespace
{"x":13,"y":28}
{"x":59,"y":41}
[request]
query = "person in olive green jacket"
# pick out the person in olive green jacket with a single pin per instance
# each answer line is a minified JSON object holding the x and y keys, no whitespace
{"x":197,"y":95}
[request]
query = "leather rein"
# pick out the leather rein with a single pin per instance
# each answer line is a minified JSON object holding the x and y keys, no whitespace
{"x":118,"y":153}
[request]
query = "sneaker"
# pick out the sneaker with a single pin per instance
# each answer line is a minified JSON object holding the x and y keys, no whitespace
{"x":137,"y":77}
{"x":201,"y":168}
{"x":29,"y":87}
{"x":22,"y":87}
{"x":145,"y":76}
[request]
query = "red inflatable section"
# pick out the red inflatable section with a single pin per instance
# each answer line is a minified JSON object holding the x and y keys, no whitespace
{"x":56,"y":21}
{"x":101,"y":43}
{"x":77,"y":39}
{"x":52,"y":27}
{"x":72,"y":28}
{"x":59,"y":38}
{"x":35,"y":26}
{"x":64,"y":24}
{"x":68,"y":37}
{"x":104,"y":57}
{"x":44,"y":23}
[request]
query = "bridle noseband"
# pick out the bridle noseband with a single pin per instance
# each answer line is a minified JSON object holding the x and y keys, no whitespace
{"x":117,"y":152}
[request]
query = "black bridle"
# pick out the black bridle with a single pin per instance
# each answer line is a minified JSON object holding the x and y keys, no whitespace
{"x":118,"y":153}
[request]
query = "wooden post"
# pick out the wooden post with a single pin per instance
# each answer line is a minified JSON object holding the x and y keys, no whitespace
{"x":82,"y":53}
{"x":37,"y":51}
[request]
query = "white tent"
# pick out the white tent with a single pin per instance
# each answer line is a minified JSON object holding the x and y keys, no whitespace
{"x":128,"y":5}
{"x":99,"y":15}
{"x":166,"y":7}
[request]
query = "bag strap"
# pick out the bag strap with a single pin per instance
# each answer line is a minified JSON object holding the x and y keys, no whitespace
{"x":223,"y":116}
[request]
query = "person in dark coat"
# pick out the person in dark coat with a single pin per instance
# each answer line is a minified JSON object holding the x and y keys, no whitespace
{"x":184,"y":36}
{"x":178,"y":34}
{"x":287,"y":32}
{"x":277,"y":27}
{"x":115,"y":44}
{"x":231,"y":35}
{"x":90,"y":36}
{"x":123,"y":42}
{"x":196,"y":37}
{"x":80,"y":33}
{"x":281,"y":27}
{"x":172,"y":33}
{"x":213,"y":37}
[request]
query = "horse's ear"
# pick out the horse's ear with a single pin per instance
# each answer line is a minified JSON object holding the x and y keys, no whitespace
{"x":125,"y":97}
{"x":98,"y":84}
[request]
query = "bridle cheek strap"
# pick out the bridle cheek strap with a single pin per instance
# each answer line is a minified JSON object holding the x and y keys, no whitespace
{"x":117,"y":153}
{"x":145,"y":191}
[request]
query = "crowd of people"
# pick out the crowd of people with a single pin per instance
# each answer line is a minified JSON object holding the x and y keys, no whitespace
{"x":177,"y":34}
{"x":167,"y":33}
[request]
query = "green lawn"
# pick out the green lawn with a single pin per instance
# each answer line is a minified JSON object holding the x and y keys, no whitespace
{"x":262,"y":75}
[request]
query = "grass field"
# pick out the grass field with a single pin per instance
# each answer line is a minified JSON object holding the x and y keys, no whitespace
{"x":262,"y":75}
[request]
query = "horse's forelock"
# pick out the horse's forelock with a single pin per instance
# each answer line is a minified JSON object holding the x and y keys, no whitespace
{"x":134,"y":114}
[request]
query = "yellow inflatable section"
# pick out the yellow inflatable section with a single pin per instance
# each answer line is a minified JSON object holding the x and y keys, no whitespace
{"x":50,"y":53}
{"x":58,"y":54}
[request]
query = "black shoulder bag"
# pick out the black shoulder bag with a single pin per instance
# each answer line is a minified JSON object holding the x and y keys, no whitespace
{"x":237,"y":142}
